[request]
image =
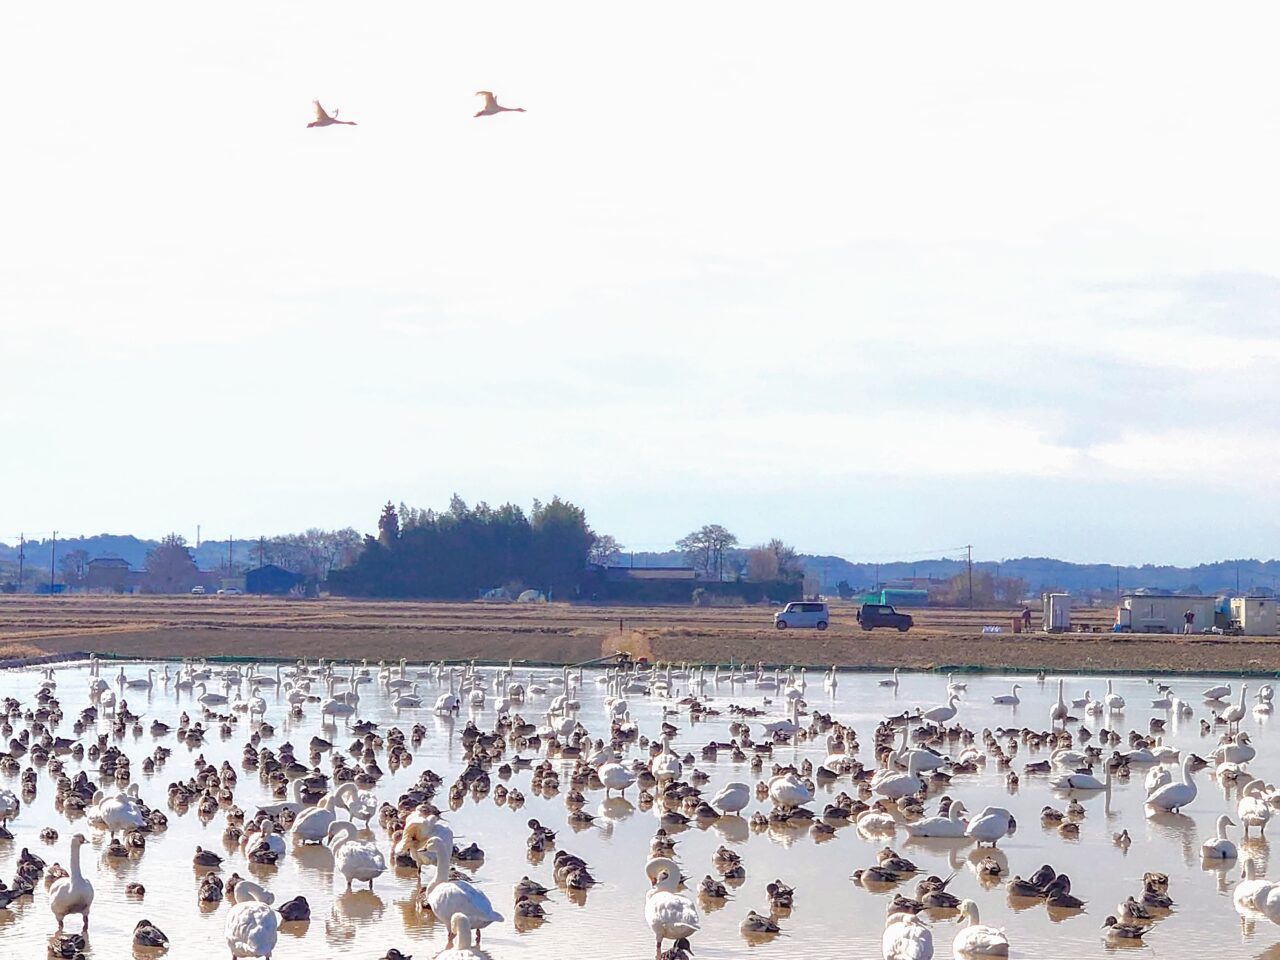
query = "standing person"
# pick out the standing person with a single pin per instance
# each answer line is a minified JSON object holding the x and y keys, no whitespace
{"x":1188,"y":619}
{"x":1026,"y":619}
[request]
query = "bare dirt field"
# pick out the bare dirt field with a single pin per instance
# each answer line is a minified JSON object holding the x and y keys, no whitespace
{"x":563,"y":633}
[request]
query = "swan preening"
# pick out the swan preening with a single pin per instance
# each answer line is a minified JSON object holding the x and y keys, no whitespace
{"x":669,"y":915}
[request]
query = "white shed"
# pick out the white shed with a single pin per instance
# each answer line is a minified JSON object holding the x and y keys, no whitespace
{"x":1146,"y":613}
{"x":1256,"y":615}
{"x":1057,"y":612}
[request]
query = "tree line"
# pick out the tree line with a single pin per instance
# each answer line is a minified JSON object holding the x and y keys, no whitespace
{"x":463,"y":551}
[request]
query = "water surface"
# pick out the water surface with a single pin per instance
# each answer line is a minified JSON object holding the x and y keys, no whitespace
{"x":833,"y":917}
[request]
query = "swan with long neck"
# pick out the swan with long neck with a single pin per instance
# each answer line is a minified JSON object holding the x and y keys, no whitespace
{"x":355,"y":859}
{"x":72,"y":893}
{"x":1219,"y":847}
{"x":448,"y":897}
{"x":1172,"y":797}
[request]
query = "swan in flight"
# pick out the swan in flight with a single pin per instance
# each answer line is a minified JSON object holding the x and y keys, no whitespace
{"x":324,"y":119}
{"x":491,"y":105}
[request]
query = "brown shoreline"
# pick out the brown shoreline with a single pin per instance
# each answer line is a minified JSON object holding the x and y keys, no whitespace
{"x":270,"y":629}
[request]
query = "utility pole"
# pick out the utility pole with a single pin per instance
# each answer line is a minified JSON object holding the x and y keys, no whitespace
{"x":1237,"y":579}
{"x":969,"y":547}
{"x":262,"y":552}
{"x":197,"y":536}
{"x":230,"y":541}
{"x":53,"y":557}
{"x":22,"y":556}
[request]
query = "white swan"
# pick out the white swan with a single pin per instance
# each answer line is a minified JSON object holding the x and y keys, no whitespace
{"x":1009,"y":699}
{"x":906,"y":938}
{"x":72,"y":893}
{"x":977,"y":939}
{"x":448,"y":897}
{"x":418,"y":831}
{"x":1235,"y":713}
{"x":666,"y":765}
{"x":951,"y":826}
{"x":732,"y":797}
{"x":409,"y":700}
{"x":140,"y":684}
{"x":788,"y":790}
{"x":669,"y":915}
{"x":1253,"y":810}
{"x":446,"y":705}
{"x":992,"y":825}
{"x":615,"y":776}
{"x":333,"y":707}
{"x":211,"y":699}
{"x":1237,"y":751}
{"x":1245,"y":896}
{"x":1172,"y":797}
{"x":252,"y":927}
{"x":9,"y":806}
{"x":895,"y":786}
{"x":1219,"y":847}
{"x":939,"y":716}
{"x":1218,"y":692}
{"x":355,"y":859}
{"x":1113,"y":701}
{"x":120,"y":812}
{"x":1081,"y":781}
{"x":312,"y":826}
{"x":295,"y":806}
{"x":891,"y":681}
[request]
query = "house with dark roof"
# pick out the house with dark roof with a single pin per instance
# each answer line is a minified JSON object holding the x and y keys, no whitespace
{"x":271,"y":580}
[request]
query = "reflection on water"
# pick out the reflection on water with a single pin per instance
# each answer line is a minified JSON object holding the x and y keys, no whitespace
{"x":832,"y":916}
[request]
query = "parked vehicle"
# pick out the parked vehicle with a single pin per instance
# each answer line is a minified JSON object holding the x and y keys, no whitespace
{"x":229,"y":592}
{"x":872,"y":615}
{"x":802,"y":613}
{"x":197,"y":591}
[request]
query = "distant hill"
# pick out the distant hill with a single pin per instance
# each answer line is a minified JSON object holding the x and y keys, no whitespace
{"x":210,"y":556}
{"x":1040,"y":573}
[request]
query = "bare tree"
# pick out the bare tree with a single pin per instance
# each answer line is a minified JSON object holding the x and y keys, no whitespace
{"x":605,"y":550}
{"x":705,"y":549}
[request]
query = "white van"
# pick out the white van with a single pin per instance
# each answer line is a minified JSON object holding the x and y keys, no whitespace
{"x":802,"y":613}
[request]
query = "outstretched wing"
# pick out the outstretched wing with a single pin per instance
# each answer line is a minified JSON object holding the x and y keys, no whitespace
{"x":320,"y":114}
{"x":489,"y":100}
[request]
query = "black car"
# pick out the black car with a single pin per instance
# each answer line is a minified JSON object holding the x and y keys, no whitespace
{"x":872,"y":615}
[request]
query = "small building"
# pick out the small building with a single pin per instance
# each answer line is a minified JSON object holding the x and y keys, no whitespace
{"x":1057,"y":612}
{"x":271,"y":579}
{"x":1256,"y":616}
{"x":107,"y":573}
{"x":1149,"y":613}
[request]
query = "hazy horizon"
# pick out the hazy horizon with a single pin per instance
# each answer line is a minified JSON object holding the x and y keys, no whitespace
{"x":877,"y":281}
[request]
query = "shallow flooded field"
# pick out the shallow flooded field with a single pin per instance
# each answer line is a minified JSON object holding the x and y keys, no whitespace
{"x":832,"y":917}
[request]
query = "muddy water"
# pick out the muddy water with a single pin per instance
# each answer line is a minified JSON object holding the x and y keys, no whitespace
{"x":832,"y":918}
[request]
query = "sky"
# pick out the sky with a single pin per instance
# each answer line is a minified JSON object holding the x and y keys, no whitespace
{"x":875,"y":279}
